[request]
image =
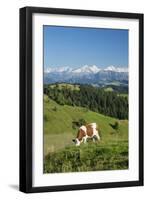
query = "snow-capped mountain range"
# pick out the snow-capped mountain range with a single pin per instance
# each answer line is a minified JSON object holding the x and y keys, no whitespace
{"x":85,"y":74}
{"x":85,"y":69}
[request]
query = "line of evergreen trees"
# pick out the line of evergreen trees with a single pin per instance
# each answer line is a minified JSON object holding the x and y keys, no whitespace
{"x":95,"y":99}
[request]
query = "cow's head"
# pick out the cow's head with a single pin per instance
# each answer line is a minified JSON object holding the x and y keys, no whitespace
{"x":76,"y":141}
{"x":81,"y":133}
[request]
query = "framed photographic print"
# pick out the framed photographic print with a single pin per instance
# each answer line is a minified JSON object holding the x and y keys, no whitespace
{"x":81,"y":99}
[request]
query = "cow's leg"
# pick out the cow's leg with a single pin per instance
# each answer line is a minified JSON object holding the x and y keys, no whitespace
{"x":96,"y":136}
{"x":77,"y":142}
{"x":84,"y":139}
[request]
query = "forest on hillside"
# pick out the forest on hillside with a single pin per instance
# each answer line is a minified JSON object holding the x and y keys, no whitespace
{"x":93,"y":98}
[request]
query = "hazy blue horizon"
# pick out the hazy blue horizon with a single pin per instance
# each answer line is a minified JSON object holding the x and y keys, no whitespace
{"x":76,"y":47}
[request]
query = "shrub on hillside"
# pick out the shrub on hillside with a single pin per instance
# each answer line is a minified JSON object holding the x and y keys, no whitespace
{"x":116,"y":125}
{"x":77,"y":124}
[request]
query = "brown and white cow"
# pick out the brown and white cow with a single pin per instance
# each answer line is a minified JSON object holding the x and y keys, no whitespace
{"x":88,"y":131}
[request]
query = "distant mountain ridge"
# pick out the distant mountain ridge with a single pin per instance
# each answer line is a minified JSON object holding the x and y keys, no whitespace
{"x":85,"y":74}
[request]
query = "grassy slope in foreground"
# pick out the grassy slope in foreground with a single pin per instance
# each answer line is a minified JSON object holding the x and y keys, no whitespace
{"x":61,"y":155}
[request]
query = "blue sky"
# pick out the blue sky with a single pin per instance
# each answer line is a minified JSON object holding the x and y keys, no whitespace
{"x":75,"y":47}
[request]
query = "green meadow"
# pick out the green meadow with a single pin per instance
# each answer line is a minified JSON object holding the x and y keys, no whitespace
{"x":61,"y":154}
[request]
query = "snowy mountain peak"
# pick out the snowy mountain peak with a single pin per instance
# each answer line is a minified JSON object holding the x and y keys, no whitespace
{"x":110,"y":68}
{"x":57,"y":69}
{"x":87,"y":69}
{"x":95,"y":69}
{"x":116,"y":69}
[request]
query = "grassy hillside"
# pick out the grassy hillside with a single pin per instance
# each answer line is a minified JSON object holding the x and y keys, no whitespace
{"x":60,"y":154}
{"x":88,"y":157}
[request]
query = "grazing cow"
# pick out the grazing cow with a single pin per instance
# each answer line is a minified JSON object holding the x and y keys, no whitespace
{"x":84,"y":132}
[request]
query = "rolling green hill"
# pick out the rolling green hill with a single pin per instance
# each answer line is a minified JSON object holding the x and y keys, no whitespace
{"x":59,"y":132}
{"x":99,"y":100}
